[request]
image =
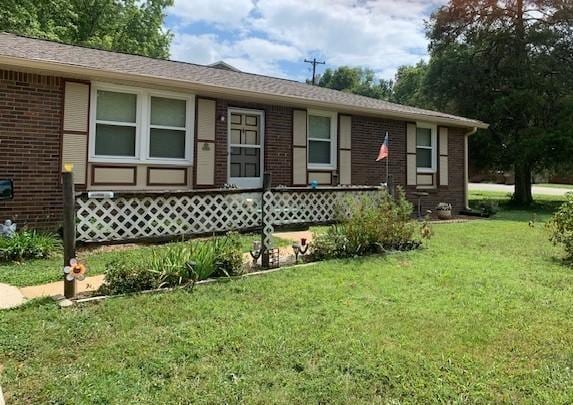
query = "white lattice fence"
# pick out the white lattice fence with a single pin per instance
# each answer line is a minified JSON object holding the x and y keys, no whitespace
{"x":312,"y":206}
{"x":138,"y":217}
{"x":133,"y":217}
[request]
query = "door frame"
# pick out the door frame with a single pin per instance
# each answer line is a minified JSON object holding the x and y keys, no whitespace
{"x":247,"y":182}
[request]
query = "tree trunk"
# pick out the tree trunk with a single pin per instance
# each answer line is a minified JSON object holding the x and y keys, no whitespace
{"x":523,"y":195}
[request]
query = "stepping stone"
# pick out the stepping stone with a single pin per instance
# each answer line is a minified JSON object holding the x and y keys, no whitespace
{"x":10,"y":296}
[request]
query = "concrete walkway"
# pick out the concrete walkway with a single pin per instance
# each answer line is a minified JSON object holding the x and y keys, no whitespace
{"x":11,"y":297}
{"x":510,"y":189}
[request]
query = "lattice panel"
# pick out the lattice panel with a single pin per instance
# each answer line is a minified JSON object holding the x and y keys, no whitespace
{"x":156,"y":215}
{"x":292,"y":207}
{"x":130,"y":218}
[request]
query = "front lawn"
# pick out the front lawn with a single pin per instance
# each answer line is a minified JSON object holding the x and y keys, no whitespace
{"x":33,"y":272}
{"x":484,"y":315}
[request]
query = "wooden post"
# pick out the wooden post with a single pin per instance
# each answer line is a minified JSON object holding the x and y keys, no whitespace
{"x":69,"y":229}
{"x":265,"y":262}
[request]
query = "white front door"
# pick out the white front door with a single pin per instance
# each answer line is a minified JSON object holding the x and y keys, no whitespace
{"x":246,"y":129}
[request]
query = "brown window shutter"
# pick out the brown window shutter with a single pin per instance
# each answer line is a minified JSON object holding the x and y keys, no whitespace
{"x":411,"y":155}
{"x":205,"y":162}
{"x":345,"y":149}
{"x":444,"y":160}
{"x":299,"y":146}
{"x":75,"y":128}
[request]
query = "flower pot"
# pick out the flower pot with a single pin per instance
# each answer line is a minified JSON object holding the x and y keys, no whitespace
{"x":444,"y":214}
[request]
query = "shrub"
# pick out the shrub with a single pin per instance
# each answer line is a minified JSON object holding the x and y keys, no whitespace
{"x":28,"y":245}
{"x":127,"y":275}
{"x":368,"y":225}
{"x":560,"y":227}
{"x":177,"y":265}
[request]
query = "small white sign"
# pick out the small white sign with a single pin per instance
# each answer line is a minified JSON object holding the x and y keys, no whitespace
{"x":101,"y":194}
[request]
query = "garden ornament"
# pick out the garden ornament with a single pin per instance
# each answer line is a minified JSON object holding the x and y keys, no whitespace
{"x":8,"y":229}
{"x":75,"y":271}
{"x":300,"y":248}
{"x":314,"y":184}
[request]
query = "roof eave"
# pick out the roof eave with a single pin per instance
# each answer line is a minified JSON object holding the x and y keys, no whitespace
{"x":57,"y":67}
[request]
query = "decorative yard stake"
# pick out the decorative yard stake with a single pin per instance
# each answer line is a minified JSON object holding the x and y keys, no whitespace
{"x":300,"y":248}
{"x":69,"y":230}
{"x":266,"y":219}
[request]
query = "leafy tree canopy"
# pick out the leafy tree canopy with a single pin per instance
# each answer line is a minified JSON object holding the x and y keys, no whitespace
{"x":509,"y":63}
{"x":131,"y":26}
{"x":356,"y":80}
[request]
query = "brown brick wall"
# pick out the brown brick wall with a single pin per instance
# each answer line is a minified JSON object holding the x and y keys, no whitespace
{"x":367,"y":136}
{"x":278,"y":141}
{"x":30,"y":123}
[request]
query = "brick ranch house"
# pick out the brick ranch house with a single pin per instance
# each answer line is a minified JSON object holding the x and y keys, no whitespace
{"x":132,"y":123}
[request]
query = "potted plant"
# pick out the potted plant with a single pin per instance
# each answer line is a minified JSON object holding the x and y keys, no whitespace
{"x":444,"y":210}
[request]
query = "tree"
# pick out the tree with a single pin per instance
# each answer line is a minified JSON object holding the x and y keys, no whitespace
{"x":356,"y":80}
{"x":408,"y":86}
{"x":131,"y":26}
{"x":509,"y":63}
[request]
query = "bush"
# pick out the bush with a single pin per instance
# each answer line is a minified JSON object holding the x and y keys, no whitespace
{"x":126,"y":275}
{"x":177,"y":265}
{"x":560,"y":227}
{"x":28,"y":245}
{"x":368,"y":225}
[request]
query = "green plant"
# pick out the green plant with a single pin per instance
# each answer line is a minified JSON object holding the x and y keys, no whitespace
{"x":178,"y":265}
{"x":126,"y":275}
{"x":560,"y":227}
{"x":368,"y":224}
{"x":28,"y":245}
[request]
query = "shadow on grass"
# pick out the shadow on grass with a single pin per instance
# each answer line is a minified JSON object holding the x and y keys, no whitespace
{"x":540,"y":210}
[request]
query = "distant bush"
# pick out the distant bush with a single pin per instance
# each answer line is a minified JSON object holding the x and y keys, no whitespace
{"x":369,"y":225}
{"x":28,"y":245}
{"x":560,"y":227}
{"x":178,"y":265}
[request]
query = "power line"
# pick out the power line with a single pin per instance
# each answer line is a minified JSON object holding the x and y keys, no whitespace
{"x":314,"y":62}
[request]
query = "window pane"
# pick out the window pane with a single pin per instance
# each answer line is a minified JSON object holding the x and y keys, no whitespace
{"x":319,"y":127}
{"x":114,"y":140}
{"x":424,"y":158}
{"x":166,"y":143}
{"x":245,"y":162}
{"x":168,"y":112}
{"x":319,"y":152}
{"x":424,"y":137}
{"x":113,"y":106}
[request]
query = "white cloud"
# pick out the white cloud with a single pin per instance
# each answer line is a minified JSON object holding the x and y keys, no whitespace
{"x":259,"y":36}
{"x":221,"y":12}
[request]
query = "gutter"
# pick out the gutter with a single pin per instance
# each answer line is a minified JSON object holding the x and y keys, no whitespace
{"x":55,"y":67}
{"x":466,"y":167}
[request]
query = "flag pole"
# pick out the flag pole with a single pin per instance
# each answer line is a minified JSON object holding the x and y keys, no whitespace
{"x":387,"y":159}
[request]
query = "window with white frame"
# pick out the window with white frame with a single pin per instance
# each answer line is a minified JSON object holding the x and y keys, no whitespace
{"x":426,"y":148}
{"x":141,"y":125}
{"x":321,"y":140}
{"x":116,"y":124}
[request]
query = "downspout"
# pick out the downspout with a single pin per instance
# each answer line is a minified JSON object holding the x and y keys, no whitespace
{"x":466,"y":167}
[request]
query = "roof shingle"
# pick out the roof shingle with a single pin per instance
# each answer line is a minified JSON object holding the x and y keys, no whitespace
{"x":15,"y":46}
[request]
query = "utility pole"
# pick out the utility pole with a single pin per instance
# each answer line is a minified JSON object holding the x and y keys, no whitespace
{"x":314,"y":62}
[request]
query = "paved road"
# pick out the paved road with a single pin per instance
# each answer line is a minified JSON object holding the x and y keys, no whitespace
{"x":510,"y":189}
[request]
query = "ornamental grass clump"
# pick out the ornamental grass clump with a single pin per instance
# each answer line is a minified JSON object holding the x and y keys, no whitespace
{"x":560,"y":227}
{"x":26,"y":244}
{"x":367,"y":225}
{"x":178,"y":265}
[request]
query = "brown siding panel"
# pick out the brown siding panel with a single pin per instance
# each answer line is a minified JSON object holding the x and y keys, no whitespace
{"x":30,"y":147}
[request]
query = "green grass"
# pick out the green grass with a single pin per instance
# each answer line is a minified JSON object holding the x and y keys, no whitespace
{"x":35,"y":272}
{"x":483,"y":315}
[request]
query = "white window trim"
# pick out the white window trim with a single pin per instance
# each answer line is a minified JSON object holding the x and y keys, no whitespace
{"x":433,"y":148}
{"x":143,"y":125}
{"x":333,"y":140}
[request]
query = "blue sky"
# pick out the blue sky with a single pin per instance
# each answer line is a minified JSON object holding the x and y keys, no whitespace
{"x":273,"y":37}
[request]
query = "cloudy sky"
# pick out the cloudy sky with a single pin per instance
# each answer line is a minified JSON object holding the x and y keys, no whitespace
{"x":273,"y":37}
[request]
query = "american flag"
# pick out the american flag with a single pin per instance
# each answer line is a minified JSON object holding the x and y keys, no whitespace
{"x":383,"y":154}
